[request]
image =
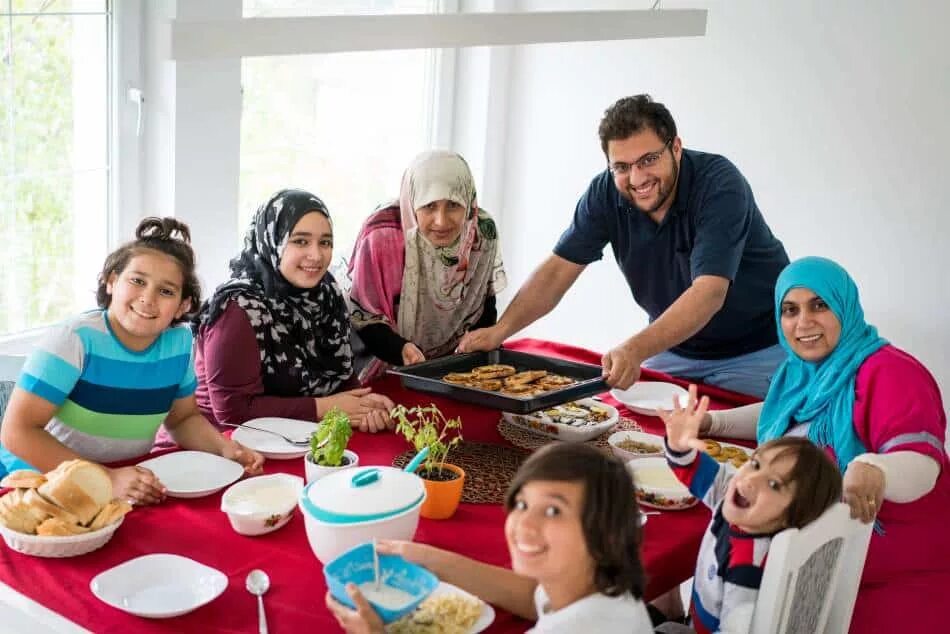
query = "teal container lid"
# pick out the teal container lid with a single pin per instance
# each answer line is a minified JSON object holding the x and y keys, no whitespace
{"x":365,"y":494}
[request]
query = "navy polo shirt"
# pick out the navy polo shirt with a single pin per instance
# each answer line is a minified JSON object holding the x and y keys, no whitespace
{"x":713,"y":228}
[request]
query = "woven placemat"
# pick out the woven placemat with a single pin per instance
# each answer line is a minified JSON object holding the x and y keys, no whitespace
{"x":520,"y":437}
{"x":489,"y":469}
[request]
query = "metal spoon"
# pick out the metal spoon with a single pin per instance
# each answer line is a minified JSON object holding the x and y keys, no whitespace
{"x":257,"y":583}
{"x":293,"y":441}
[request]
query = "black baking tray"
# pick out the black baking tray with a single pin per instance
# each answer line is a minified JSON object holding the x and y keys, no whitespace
{"x":427,"y":377}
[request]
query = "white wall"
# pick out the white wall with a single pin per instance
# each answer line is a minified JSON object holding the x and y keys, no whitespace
{"x":836,"y":112}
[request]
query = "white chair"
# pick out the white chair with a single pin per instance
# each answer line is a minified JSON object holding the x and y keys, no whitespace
{"x":811,"y":576}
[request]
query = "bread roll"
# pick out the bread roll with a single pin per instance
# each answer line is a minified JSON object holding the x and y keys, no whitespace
{"x":23,"y":479}
{"x":55,"y":527}
{"x":82,"y":488}
{"x":110,"y":513}
{"x":15,"y":514}
{"x":35,"y":499}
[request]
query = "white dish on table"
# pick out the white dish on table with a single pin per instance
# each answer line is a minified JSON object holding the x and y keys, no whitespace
{"x":487,"y":616}
{"x":274,"y":447}
{"x":616,"y":438}
{"x":262,"y":504}
{"x":657,"y":486}
{"x":548,"y":423}
{"x":58,"y":546}
{"x":159,"y":586}
{"x":645,"y":397}
{"x":193,"y":474}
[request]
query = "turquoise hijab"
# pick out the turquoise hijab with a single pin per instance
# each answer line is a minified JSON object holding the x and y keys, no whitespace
{"x":821,"y":392}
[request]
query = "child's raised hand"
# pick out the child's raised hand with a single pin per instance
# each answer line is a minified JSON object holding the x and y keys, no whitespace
{"x":682,"y":423}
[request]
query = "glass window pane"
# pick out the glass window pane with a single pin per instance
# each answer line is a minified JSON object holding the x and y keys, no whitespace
{"x":343,"y":126}
{"x":51,"y":252}
{"x":54,"y":178}
{"x":288,"y":8}
{"x":59,"y":77}
{"x":56,"y":6}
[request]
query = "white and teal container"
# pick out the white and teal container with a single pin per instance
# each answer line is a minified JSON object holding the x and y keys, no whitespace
{"x":354,"y":506}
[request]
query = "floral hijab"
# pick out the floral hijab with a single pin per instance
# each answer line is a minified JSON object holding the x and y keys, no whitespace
{"x":442,"y":290}
{"x":302,"y":331}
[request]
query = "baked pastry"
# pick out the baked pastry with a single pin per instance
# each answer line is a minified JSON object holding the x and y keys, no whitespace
{"x":495,"y":371}
{"x":492,"y":385}
{"x":82,"y":488}
{"x":23,"y":479}
{"x":713,"y":448}
{"x":460,"y":378}
{"x":523,"y":378}
{"x":35,"y":499}
{"x":739,"y":460}
{"x":110,"y":513}
{"x":55,"y":527}
{"x":17,"y":515}
{"x":554,"y":381}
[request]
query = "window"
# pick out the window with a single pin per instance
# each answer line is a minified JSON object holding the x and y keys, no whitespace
{"x":343,"y":126}
{"x":54,"y":157}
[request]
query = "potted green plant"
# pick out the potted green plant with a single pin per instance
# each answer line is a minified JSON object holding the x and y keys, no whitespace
{"x":328,"y":452}
{"x":427,"y":427}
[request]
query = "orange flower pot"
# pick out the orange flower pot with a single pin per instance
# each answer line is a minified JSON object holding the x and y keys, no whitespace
{"x":442,"y":498}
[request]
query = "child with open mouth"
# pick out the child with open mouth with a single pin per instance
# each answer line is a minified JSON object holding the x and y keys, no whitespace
{"x":788,"y":482}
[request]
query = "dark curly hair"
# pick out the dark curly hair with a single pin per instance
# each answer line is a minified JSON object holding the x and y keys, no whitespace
{"x":168,"y":236}
{"x":630,"y":115}
{"x":609,"y":518}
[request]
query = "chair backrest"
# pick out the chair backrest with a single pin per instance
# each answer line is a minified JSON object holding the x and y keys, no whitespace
{"x":6,"y":389}
{"x":811,"y":576}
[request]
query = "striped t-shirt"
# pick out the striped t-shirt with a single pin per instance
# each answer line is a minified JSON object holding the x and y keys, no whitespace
{"x":110,"y":400}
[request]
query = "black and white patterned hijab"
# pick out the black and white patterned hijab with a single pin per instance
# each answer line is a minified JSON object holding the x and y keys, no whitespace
{"x":300,"y":332}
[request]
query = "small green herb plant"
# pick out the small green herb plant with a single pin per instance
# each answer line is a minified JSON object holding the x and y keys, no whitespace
{"x":427,"y":427}
{"x":335,"y":425}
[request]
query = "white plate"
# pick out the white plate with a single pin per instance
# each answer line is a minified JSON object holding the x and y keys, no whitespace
{"x":646,"y":397}
{"x":271,"y":446}
{"x":666,"y":498}
{"x":193,"y":474}
{"x":159,"y":586}
{"x":484,"y":619}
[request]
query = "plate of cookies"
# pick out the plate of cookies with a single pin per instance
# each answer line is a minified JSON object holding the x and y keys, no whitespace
{"x":727,"y":452}
{"x":576,"y":421}
{"x":507,"y":380}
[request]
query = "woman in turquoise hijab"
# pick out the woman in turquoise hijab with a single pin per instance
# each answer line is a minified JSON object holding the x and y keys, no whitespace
{"x":879,"y":412}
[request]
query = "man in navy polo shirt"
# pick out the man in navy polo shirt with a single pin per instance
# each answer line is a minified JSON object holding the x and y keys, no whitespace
{"x":695,"y":250}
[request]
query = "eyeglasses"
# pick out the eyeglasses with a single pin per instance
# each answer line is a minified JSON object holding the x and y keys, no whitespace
{"x":642,"y":163}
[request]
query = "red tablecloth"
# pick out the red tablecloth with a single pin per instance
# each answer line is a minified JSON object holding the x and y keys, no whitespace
{"x":196,"y":528}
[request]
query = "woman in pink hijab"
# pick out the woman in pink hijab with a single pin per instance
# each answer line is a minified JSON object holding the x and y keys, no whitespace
{"x":426,"y":268}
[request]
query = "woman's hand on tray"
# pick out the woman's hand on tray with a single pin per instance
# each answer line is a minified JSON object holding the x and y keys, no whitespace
{"x":411,"y":354}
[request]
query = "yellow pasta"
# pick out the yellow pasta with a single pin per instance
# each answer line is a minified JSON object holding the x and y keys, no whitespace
{"x":445,"y":614}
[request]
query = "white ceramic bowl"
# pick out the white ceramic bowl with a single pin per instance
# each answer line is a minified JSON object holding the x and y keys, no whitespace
{"x":669,"y":495}
{"x":315,"y":471}
{"x":329,"y":541}
{"x":541,"y":422}
{"x":262,"y":504}
{"x":616,"y":438}
{"x":66,"y":546}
